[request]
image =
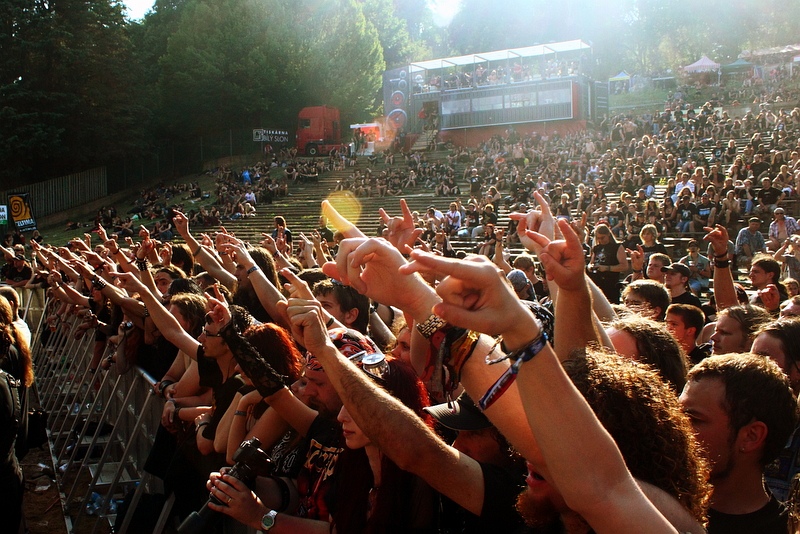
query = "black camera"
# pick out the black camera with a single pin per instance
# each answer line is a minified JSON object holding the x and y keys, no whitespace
{"x":250,"y":461}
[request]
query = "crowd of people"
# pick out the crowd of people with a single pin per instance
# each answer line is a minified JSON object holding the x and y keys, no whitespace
{"x":597,"y":381}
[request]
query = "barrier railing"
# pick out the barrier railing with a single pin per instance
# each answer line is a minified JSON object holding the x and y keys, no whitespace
{"x":101,"y":424}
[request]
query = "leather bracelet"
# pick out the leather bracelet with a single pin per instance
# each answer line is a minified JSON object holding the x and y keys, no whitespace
{"x":330,"y":322}
{"x":722,"y":264}
{"x":98,"y":283}
{"x":142,"y":265}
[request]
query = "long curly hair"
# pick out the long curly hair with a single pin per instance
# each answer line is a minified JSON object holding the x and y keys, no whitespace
{"x":643,"y":415}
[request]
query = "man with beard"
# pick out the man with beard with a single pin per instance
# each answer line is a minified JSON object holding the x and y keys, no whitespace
{"x":743,"y":410}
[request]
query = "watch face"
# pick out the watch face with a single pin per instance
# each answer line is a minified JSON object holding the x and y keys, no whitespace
{"x":268,"y":521}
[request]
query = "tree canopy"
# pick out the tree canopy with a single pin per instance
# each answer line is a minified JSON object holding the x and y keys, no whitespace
{"x":81,"y":85}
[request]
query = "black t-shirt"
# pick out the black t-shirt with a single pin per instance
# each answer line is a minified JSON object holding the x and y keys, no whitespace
{"x":771,"y":519}
{"x":500,"y":490}
{"x":686,"y":212}
{"x":687,"y":298}
{"x":770,"y":195}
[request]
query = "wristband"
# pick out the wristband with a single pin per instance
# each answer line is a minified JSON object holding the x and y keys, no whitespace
{"x":432,"y":324}
{"x":202,"y":424}
{"x":163,"y":385}
{"x":330,"y":322}
{"x":223,"y":253}
{"x":637,"y":272}
{"x":520,"y":356}
{"x":720,"y":256}
{"x":252,"y":269}
{"x":196,"y":252}
{"x":722,"y":264}
{"x":240,"y":412}
{"x":143,"y":264}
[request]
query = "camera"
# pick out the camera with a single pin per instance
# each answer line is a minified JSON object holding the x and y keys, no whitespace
{"x":250,"y":461}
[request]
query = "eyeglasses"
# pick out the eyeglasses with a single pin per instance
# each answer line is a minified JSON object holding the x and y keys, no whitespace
{"x":209,"y":334}
{"x":373,"y":364}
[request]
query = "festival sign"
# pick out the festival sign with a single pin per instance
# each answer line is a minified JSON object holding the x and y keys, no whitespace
{"x":20,"y":210}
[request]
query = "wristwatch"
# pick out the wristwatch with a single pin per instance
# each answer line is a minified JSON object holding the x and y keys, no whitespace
{"x":268,"y":521}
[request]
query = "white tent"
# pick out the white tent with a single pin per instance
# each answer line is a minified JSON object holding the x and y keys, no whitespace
{"x":701,"y":65}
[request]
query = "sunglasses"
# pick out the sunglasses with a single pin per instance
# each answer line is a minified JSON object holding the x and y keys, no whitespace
{"x":373,"y":364}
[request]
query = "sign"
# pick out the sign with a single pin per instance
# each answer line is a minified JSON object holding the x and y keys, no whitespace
{"x":3,"y":214}
{"x":20,"y":210}
{"x":261,"y":135}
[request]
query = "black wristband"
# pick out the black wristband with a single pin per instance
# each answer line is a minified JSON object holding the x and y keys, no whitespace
{"x":722,"y":264}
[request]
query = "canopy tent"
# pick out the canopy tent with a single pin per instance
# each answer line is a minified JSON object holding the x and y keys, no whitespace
{"x":621,"y":77}
{"x":620,"y":83}
{"x":701,"y":65}
{"x":737,"y":66}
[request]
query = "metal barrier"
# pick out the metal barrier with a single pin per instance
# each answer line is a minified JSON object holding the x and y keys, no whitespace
{"x":101,"y":425}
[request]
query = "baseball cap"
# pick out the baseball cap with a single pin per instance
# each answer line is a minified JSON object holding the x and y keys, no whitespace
{"x":459,"y":415}
{"x":518,"y":279}
{"x":677,"y":268}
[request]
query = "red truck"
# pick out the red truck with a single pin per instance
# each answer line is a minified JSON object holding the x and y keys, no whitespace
{"x":318,"y":130}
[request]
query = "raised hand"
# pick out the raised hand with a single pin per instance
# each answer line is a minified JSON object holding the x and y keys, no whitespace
{"x":637,"y":258}
{"x":403,"y":233}
{"x":475,"y":295}
{"x":563,"y":260}
{"x":371,"y":266}
{"x":181,"y":223}
{"x":540,"y":220}
{"x":297,"y":287}
{"x":718,"y":237}
{"x":131,"y":283}
{"x":308,"y":328}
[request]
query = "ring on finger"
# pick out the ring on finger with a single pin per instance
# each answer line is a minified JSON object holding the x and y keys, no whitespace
{"x":229,"y":499}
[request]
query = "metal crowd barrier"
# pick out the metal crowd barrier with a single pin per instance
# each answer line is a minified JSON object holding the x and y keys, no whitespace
{"x":101,"y":425}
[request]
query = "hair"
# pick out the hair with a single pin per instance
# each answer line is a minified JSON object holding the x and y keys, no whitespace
{"x":787,"y":331}
{"x":280,"y":221}
{"x":277,"y":348}
{"x":755,"y":390}
{"x":632,"y":400}
{"x":182,"y":257}
{"x":193,"y":309}
{"x":172,"y":271}
{"x":769,"y":265}
{"x":692,"y":316}
{"x":655,"y":293}
{"x":13,"y":299}
{"x":657,"y":348}
{"x":184,"y":285}
{"x":749,"y":317}
{"x":648,"y":228}
{"x":348,"y":298}
{"x":525,"y":261}
{"x":665,"y":260}
{"x":15,"y":354}
{"x":395,"y":496}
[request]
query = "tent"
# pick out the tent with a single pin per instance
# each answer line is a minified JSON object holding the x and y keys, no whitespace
{"x":701,"y":65}
{"x":623,"y":79}
{"x":737,"y":66}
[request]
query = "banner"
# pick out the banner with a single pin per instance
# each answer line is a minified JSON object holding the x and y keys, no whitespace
{"x":20,"y":211}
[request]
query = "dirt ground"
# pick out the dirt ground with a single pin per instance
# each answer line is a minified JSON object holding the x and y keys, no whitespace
{"x":41,"y":505}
